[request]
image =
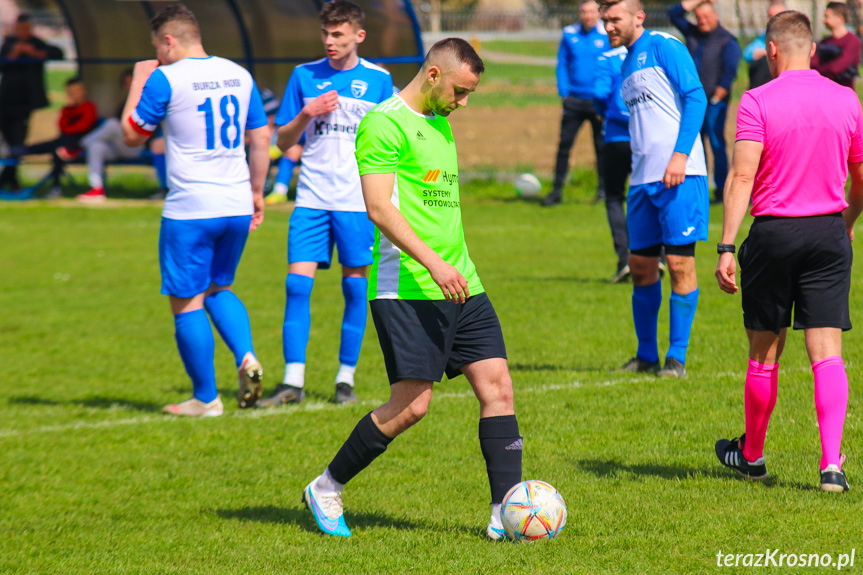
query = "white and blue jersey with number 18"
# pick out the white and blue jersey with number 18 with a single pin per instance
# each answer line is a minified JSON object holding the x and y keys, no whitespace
{"x":329,"y":176}
{"x":204,"y":106}
{"x":666,"y":104}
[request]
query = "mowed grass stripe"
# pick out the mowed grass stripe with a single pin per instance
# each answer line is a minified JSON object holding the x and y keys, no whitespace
{"x":306,"y":406}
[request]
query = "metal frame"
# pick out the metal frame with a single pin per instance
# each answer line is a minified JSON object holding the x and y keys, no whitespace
{"x":249,"y":60}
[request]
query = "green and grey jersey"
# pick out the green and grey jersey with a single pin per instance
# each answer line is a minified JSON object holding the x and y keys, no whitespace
{"x":420,"y":151}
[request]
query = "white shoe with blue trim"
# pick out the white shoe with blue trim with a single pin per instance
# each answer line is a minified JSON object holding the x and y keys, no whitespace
{"x":327,"y":509}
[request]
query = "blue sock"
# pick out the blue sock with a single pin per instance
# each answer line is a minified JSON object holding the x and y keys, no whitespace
{"x":285,"y":171}
{"x":298,"y":318}
{"x":354,"y":320}
{"x":645,"y":311}
{"x":682,"y":315}
{"x":161,"y":170}
{"x":232,"y":320}
{"x":197,"y":347}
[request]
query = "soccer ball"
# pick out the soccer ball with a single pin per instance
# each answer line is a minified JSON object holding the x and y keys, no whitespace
{"x":528,"y":186}
{"x":533,"y":510}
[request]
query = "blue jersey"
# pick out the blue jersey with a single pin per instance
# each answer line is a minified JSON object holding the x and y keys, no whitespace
{"x":329,"y":176}
{"x":204,"y":105}
{"x":666,"y":104}
{"x":576,"y":60}
{"x":607,"y":98}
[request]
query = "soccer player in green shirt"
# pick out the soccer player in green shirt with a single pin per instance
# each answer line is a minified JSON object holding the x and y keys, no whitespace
{"x":428,"y":305}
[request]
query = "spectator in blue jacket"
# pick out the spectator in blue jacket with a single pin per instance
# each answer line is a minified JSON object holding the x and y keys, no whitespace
{"x":716,"y":54}
{"x":756,"y":51}
{"x":580,"y":47}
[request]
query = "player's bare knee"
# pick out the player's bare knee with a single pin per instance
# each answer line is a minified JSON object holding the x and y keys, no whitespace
{"x":505,"y":400}
{"x":644,"y":269}
{"x":504,"y":391}
{"x":681,"y":266}
{"x":416,"y":411}
{"x":644,"y":275}
{"x":496,"y":395}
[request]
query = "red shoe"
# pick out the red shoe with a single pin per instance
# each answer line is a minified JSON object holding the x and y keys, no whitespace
{"x":68,"y":155}
{"x":94,"y":195}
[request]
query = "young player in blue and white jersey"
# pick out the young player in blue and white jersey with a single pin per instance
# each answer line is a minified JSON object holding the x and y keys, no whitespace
{"x":668,"y":200}
{"x":205,"y":105}
{"x":325,"y":101}
{"x":617,"y":155}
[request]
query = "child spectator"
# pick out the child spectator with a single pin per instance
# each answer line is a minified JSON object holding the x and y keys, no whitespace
{"x":78,"y":117}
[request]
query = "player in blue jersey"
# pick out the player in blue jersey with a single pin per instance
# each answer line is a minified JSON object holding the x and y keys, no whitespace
{"x":205,"y":105}
{"x":617,"y":154}
{"x":668,"y":199}
{"x":325,"y":101}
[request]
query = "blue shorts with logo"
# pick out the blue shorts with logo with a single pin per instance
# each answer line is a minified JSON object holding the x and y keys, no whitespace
{"x":675,"y":216}
{"x":193,"y":254}
{"x":313,"y":233}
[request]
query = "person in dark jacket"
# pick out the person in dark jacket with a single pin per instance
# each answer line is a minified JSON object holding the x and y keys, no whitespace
{"x":22,"y":87}
{"x":837,"y":56}
{"x":716,"y":54}
{"x":755,"y":53}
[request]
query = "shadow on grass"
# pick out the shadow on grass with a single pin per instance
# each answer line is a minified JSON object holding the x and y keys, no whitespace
{"x":229,"y":394}
{"x":93,"y":402}
{"x":303,"y":518}
{"x":570,"y":279}
{"x":610,"y":468}
{"x":604,"y":468}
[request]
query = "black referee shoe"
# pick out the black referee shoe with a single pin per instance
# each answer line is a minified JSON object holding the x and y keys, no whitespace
{"x":730,"y":454}
{"x":833,"y":479}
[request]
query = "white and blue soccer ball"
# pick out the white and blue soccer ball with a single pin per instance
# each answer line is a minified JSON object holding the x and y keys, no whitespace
{"x":533,"y":510}
{"x":528,"y":186}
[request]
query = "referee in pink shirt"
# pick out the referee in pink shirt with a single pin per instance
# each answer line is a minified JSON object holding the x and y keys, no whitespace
{"x":798,"y":137}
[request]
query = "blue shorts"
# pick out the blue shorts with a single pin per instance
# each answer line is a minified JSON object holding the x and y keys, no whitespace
{"x":675,"y":216}
{"x":313,"y":233}
{"x":193,"y":254}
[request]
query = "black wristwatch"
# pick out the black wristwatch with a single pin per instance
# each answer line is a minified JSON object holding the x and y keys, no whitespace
{"x":725,"y":248}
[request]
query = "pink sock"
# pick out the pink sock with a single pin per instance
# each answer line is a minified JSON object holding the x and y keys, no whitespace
{"x":831,"y":402}
{"x":762,"y":383}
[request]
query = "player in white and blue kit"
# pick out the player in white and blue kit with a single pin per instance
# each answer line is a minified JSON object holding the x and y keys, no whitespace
{"x":324,"y":103}
{"x":206,"y":105}
{"x":668,"y":200}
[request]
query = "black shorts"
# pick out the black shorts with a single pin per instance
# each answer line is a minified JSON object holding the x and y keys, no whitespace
{"x":423,"y":339}
{"x":804,"y":263}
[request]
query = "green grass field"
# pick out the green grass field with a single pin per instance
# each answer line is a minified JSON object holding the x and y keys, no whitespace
{"x":96,"y":480}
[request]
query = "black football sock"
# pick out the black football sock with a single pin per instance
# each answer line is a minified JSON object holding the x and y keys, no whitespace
{"x":501,"y":447}
{"x":364,"y":444}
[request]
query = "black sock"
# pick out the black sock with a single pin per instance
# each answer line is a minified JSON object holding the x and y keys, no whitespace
{"x":501,"y":447}
{"x":365,"y":443}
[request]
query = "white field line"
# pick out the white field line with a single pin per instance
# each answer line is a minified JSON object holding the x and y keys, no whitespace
{"x":305,"y":406}
{"x":322,"y":406}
